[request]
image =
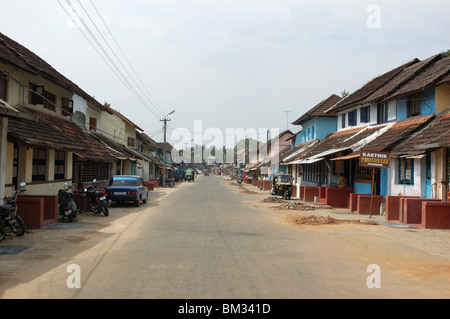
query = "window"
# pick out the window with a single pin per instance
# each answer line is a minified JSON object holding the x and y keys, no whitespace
{"x":343,"y":120}
{"x":3,"y":85}
{"x":382,"y":113}
{"x":49,"y":101}
{"x":93,"y":124}
{"x":97,"y":170}
{"x":39,"y":164}
{"x":414,"y":105}
{"x":352,"y":118}
{"x":67,"y":106}
{"x":131,"y":142}
{"x":36,"y":93}
{"x":60,"y":165}
{"x":364,"y":114}
{"x":406,"y":171}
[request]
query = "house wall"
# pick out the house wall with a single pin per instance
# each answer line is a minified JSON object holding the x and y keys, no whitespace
{"x":427,"y":104}
{"x":14,"y":92}
{"x":407,"y":190}
{"x":442,"y":98}
{"x":113,"y":127}
{"x":49,"y":86}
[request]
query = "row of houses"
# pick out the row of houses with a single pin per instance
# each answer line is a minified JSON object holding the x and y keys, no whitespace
{"x":404,"y":112}
{"x":52,"y":132}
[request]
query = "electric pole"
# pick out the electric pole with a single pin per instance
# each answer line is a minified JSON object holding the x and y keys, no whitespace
{"x":165,"y":119}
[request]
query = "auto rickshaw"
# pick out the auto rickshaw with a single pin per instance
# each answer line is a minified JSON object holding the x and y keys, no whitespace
{"x":189,"y":175}
{"x":282,"y":186}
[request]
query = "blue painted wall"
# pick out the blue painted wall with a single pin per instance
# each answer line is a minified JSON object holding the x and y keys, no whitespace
{"x":362,"y":188}
{"x":427,"y":104}
{"x":318,"y":127}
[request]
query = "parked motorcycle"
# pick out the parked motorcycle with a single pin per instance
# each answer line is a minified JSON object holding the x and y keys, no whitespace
{"x":10,"y":221}
{"x":170,"y":181}
{"x":67,"y":207}
{"x":239,"y":180}
{"x":97,"y":200}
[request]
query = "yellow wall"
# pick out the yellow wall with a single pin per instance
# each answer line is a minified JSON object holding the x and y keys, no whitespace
{"x":13,"y":91}
{"x":442,"y":98}
{"x":113,"y":127}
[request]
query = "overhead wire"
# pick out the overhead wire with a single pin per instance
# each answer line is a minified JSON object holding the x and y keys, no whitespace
{"x":112,"y":65}
{"x":155,"y":103}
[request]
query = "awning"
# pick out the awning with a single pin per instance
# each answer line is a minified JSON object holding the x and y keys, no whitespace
{"x":346,"y":157}
{"x":307,"y":161}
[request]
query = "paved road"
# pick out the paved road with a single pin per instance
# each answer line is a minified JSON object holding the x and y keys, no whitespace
{"x":207,"y":240}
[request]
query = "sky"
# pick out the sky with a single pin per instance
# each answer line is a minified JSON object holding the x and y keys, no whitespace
{"x":224,"y":63}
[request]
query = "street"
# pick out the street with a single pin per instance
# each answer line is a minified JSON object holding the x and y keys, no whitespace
{"x":208,"y":240}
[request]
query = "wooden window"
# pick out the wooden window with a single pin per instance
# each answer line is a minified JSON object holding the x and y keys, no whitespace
{"x":67,"y":106}
{"x":3,"y":85}
{"x":343,"y":121}
{"x":414,"y":105}
{"x":95,"y":170}
{"x":93,"y":124}
{"x":131,"y":141}
{"x":406,"y":171}
{"x":36,"y":93}
{"x":364,"y":114}
{"x":39,"y":164}
{"x":60,"y":165}
{"x":382,"y":113}
{"x":352,"y":118}
{"x":49,"y":101}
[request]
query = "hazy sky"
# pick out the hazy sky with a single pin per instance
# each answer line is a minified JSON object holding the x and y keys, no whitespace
{"x":231,"y":64}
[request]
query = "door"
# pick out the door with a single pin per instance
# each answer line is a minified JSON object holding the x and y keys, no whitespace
{"x":428,"y":176}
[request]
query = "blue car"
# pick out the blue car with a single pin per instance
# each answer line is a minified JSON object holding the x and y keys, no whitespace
{"x":127,"y":188}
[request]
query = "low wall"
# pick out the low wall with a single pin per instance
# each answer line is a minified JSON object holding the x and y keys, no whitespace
{"x":309,"y":192}
{"x":267,"y":185}
{"x":363,"y":204}
{"x":394,"y":205}
{"x":412,"y":209}
{"x":435,"y":215}
{"x":38,"y":210}
{"x":338,"y":197}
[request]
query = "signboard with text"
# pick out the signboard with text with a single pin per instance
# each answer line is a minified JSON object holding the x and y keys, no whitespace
{"x":375,"y":159}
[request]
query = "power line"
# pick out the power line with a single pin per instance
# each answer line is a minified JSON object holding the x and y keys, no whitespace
{"x":114,"y":39}
{"x":114,"y":67}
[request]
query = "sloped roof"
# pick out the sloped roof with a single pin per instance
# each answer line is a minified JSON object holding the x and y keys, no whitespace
{"x":360,"y":95}
{"x":397,"y":132}
{"x":319,"y":109}
{"x":12,"y":52}
{"x":437,"y":70}
{"x":59,"y":133}
{"x":435,"y":135}
{"x":341,"y":140}
{"x":399,"y":80}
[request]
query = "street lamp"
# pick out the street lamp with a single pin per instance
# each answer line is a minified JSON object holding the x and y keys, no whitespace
{"x":165,"y":119}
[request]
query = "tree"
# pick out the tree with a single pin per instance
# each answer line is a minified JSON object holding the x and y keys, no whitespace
{"x":344,"y":93}
{"x":446,"y":53}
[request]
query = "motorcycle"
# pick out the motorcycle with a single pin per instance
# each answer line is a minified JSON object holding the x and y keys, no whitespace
{"x":10,"y":221}
{"x":170,"y":181}
{"x":97,"y":200}
{"x":67,"y":207}
{"x":239,"y":180}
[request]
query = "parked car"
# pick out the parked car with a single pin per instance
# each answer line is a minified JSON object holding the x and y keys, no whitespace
{"x":127,"y":188}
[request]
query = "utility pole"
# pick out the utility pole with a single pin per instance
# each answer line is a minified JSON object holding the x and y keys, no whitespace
{"x":165,"y":119}
{"x":287,"y":118}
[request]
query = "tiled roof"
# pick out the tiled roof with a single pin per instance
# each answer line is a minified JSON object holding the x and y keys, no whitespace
{"x":60,"y":133}
{"x":341,"y":140}
{"x":435,"y":135}
{"x":437,"y":70}
{"x":395,"y":133}
{"x":11,"y":52}
{"x":401,"y":78}
{"x":369,"y":88}
{"x":319,"y":109}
